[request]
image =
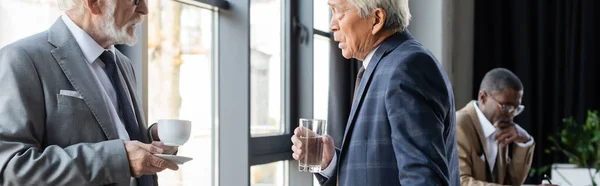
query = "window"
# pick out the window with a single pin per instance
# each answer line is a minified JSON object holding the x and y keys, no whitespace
{"x":321,"y":61}
{"x":271,"y":174}
{"x":268,"y":93}
{"x":321,"y":15}
{"x":321,"y":77}
{"x":266,"y":68}
{"x":34,"y":16}
{"x":180,"y":81}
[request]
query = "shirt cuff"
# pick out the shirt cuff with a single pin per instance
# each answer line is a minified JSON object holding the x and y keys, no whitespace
{"x":526,"y":145}
{"x":150,"y":132}
{"x":328,"y":172}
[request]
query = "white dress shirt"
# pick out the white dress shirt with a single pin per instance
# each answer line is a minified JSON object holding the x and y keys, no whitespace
{"x":490,"y":136}
{"x":328,"y":172}
{"x":92,"y":51}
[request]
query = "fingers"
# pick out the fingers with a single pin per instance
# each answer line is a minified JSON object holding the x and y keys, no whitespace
{"x":296,"y":143}
{"x":296,"y":137}
{"x":143,"y":162}
{"x":328,"y":144}
{"x":143,"y":165}
{"x":162,"y":163}
{"x":158,"y":143}
{"x":328,"y":151}
{"x":296,"y":156}
{"x":297,"y":152}
{"x":505,"y":131}
{"x":166,"y":149}
{"x":511,"y":139}
{"x":297,"y":131}
{"x":296,"y":147}
{"x":498,"y":134}
{"x":151,"y":148}
{"x":501,"y":135}
{"x":150,"y":170}
{"x":506,"y":138}
{"x":327,"y":140}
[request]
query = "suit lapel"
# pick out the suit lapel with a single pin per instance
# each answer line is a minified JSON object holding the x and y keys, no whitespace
{"x":387,"y":46}
{"x":501,"y":165}
{"x":137,"y":107}
{"x":69,"y":56}
{"x":483,"y":141}
{"x":479,"y":130}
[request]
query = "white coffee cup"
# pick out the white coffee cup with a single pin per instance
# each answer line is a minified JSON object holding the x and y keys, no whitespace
{"x":174,"y":132}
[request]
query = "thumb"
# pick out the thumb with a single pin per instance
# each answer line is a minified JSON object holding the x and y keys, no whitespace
{"x":158,"y":143}
{"x":327,"y":141}
{"x":152,"y":149}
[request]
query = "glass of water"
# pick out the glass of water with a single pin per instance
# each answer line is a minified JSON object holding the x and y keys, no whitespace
{"x":311,"y":137}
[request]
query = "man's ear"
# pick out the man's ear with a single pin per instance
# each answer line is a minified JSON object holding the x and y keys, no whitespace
{"x":378,"y":20}
{"x":95,"y":6}
{"x":482,"y":96}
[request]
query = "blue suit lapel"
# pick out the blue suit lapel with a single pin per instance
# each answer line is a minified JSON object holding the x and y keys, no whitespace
{"x":386,"y":47}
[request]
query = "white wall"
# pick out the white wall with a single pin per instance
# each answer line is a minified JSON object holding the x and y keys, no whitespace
{"x":445,"y":27}
{"x":458,"y":48}
{"x":426,"y":24}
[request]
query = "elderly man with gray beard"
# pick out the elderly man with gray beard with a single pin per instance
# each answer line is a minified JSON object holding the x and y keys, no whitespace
{"x":401,"y":129}
{"x":70,"y":115}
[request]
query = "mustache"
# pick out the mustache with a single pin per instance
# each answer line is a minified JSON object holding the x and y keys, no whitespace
{"x":136,"y":21}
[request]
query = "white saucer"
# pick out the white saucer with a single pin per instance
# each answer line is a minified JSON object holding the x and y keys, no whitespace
{"x":174,"y":158}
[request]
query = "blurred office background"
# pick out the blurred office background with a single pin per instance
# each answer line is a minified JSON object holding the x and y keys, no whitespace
{"x":244,"y":71}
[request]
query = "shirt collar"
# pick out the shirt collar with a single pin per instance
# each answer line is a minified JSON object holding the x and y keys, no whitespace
{"x":486,"y":125}
{"x":368,"y":58}
{"x":90,"y":48}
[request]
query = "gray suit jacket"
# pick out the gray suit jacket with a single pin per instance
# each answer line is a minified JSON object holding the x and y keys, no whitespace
{"x":52,"y":139}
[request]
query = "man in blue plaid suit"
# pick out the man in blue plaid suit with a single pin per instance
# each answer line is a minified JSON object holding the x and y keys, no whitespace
{"x":401,"y":128}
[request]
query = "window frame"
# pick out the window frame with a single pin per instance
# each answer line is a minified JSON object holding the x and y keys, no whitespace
{"x":233,"y":145}
{"x":139,"y":53}
{"x":298,"y":93}
{"x":272,"y":148}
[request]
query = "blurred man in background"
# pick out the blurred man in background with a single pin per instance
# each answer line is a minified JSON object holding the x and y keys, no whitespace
{"x":487,"y":134}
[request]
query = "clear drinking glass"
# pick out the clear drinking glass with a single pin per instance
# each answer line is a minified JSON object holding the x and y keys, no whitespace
{"x":312,"y":144}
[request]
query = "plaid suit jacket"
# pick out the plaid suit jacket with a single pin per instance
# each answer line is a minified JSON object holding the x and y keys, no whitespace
{"x":401,"y":128}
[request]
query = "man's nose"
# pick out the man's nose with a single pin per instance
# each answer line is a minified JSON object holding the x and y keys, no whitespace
{"x":333,"y":25}
{"x":142,"y":8}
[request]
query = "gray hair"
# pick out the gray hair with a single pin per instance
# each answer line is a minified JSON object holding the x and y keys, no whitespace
{"x":398,"y":13}
{"x":65,"y":5}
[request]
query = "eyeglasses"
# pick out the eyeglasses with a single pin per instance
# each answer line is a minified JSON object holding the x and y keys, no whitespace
{"x":136,"y":2}
{"x":511,"y":109}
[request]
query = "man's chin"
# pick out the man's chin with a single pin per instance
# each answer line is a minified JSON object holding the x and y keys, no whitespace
{"x":346,"y":55}
{"x":131,"y":41}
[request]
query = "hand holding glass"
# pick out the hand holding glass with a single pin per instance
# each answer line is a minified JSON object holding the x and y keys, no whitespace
{"x":311,"y":138}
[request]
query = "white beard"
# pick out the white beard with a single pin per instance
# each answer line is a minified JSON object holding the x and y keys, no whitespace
{"x":120,"y":36}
